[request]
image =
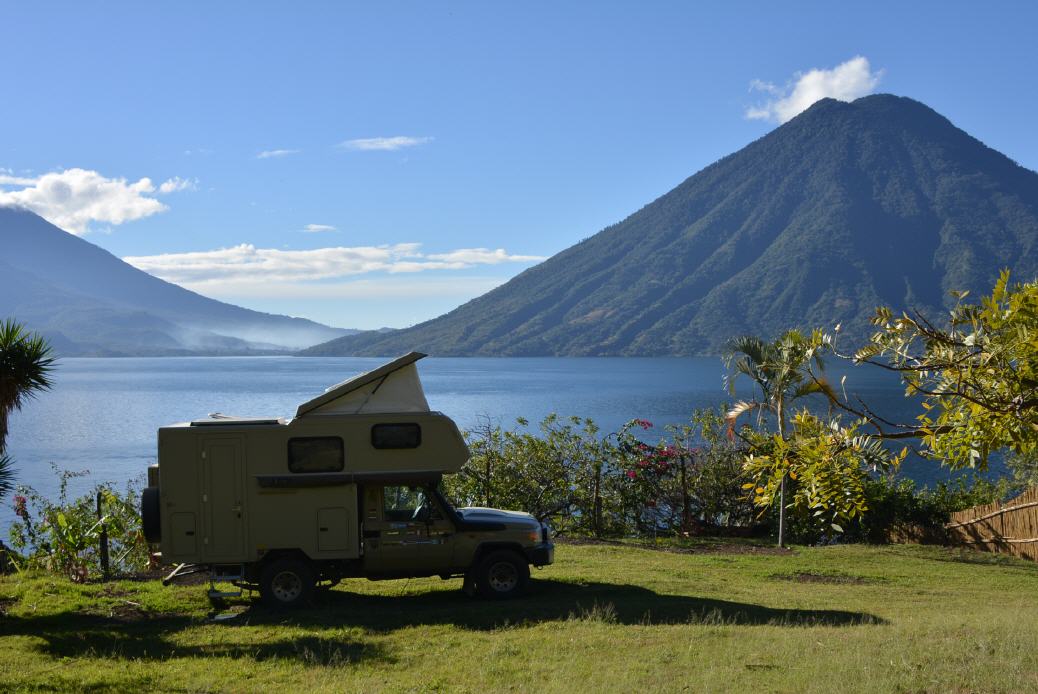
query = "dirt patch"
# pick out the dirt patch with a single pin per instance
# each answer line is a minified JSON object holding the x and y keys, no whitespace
{"x":808,"y":577}
{"x":112,"y":591}
{"x":128,"y":612}
{"x":706,"y":548}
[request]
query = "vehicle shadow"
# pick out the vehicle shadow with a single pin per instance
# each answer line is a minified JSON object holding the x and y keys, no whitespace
{"x":546,"y":600}
{"x":145,"y":636}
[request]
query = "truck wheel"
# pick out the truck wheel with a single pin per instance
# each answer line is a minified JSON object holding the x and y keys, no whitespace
{"x":502,"y":574}
{"x":286,"y":582}
{"x":150,"y":515}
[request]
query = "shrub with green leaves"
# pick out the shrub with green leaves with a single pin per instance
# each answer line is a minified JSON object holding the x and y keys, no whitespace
{"x":686,"y":481}
{"x":63,"y":536}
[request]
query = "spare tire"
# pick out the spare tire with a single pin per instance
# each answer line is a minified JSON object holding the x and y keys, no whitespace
{"x":151,"y":522}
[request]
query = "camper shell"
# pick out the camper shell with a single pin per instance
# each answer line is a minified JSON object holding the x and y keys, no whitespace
{"x":348,"y":487}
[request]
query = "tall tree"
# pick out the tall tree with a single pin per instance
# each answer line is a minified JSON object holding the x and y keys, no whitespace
{"x":781,"y":370}
{"x":26,"y":362}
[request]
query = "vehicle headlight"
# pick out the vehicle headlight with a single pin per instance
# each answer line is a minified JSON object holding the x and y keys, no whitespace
{"x":534,"y":536}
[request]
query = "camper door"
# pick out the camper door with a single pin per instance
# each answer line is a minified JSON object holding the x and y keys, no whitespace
{"x":223,"y":496}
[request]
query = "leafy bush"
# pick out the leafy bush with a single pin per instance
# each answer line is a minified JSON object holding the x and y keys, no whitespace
{"x":560,"y":476}
{"x":63,"y":537}
{"x":585,"y":484}
{"x":898,"y":511}
{"x":689,"y":482}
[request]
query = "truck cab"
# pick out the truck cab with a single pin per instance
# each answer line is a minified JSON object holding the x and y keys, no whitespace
{"x":349,"y":487}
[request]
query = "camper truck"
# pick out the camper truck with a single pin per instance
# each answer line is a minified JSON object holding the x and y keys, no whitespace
{"x":349,"y":487}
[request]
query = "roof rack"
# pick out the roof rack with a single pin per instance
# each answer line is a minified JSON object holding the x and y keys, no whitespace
{"x":220,"y":420}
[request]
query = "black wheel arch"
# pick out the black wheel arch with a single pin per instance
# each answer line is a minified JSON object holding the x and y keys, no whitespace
{"x":486,"y":548}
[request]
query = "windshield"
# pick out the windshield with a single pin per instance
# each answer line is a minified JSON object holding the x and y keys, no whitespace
{"x":447,"y":501}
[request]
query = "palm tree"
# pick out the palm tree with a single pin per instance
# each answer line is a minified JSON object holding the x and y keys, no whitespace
{"x":782,"y":371}
{"x":26,"y":362}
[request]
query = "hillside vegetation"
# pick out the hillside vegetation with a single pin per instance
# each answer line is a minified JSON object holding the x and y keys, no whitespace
{"x":87,"y":302}
{"x":605,"y":617}
{"x":847,"y":207}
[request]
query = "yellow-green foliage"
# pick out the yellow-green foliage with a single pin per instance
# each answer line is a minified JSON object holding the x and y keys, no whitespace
{"x":826,"y":462}
{"x":978,"y":377}
{"x":604,"y":618}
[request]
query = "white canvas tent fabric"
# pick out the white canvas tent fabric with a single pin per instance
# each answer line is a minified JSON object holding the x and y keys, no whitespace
{"x":392,"y":387}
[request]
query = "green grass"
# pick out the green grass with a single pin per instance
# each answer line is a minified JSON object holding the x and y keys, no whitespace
{"x":604,"y":618}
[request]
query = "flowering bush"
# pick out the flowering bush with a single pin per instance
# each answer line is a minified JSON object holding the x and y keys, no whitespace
{"x":617,"y":485}
{"x":687,"y":482}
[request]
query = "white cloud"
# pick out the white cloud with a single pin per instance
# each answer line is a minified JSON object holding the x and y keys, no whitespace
{"x":74,"y":198}
{"x":245,"y":264}
{"x":177,"y":184}
{"x":7,"y":178}
{"x":275,"y":153}
{"x":384,"y":144}
{"x":481,"y":256}
{"x":846,"y":82}
{"x":424,"y":288}
{"x":317,"y":228}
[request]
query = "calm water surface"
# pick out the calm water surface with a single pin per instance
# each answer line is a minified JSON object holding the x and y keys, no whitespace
{"x":102,"y":414}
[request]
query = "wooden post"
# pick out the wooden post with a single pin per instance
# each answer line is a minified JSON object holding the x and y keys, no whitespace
{"x":105,"y":573}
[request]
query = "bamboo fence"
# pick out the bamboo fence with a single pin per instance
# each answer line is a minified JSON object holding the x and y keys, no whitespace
{"x":1010,"y":527}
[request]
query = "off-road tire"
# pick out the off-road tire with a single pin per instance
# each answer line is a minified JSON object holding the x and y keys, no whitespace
{"x":151,"y":522}
{"x":287,"y":583}
{"x":501,"y":575}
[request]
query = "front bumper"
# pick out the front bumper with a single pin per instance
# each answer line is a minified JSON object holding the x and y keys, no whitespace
{"x":541,"y":555}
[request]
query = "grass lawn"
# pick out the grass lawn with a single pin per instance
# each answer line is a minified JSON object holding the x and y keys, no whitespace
{"x":604,"y":618}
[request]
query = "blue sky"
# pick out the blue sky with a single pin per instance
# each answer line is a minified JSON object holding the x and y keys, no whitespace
{"x":380,"y":163}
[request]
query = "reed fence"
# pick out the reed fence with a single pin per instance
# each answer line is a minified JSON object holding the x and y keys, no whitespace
{"x":1009,"y":527}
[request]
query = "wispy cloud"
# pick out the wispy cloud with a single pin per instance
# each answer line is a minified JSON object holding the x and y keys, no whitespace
{"x":276,"y":153}
{"x":846,"y":82}
{"x":383,"y":144}
{"x":318,"y":228}
{"x":73,"y":198}
{"x":247,"y":264}
{"x":460,"y":288}
{"x":177,"y":184}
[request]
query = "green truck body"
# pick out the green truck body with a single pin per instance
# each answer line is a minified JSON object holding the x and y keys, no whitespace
{"x":349,"y":487}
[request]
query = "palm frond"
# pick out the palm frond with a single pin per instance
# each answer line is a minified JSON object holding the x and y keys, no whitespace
{"x":6,"y":475}
{"x":26,"y":364}
{"x":821,"y":386}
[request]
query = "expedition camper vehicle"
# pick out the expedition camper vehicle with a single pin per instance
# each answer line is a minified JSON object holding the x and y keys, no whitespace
{"x":347,"y":488}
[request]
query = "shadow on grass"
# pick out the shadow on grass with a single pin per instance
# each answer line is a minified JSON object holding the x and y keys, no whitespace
{"x":549,"y":600}
{"x":74,"y":634}
{"x":154,"y":637}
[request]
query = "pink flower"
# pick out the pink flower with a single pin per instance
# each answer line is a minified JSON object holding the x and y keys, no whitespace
{"x":19,"y":507}
{"x":632,"y":474}
{"x":643,"y":423}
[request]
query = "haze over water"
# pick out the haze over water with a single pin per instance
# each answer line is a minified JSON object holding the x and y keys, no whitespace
{"x":102,"y":414}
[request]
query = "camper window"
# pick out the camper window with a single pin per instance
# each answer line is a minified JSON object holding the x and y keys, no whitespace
{"x":396,"y":435}
{"x":401,"y":503}
{"x":316,"y":454}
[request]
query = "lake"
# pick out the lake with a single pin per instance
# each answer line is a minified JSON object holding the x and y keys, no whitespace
{"x":102,"y":414}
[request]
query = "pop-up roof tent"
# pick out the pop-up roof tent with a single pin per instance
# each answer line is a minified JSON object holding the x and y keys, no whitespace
{"x":392,"y":387}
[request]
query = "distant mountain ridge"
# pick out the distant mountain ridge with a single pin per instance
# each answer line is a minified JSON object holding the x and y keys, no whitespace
{"x":88,"y":302}
{"x":848,"y":206}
